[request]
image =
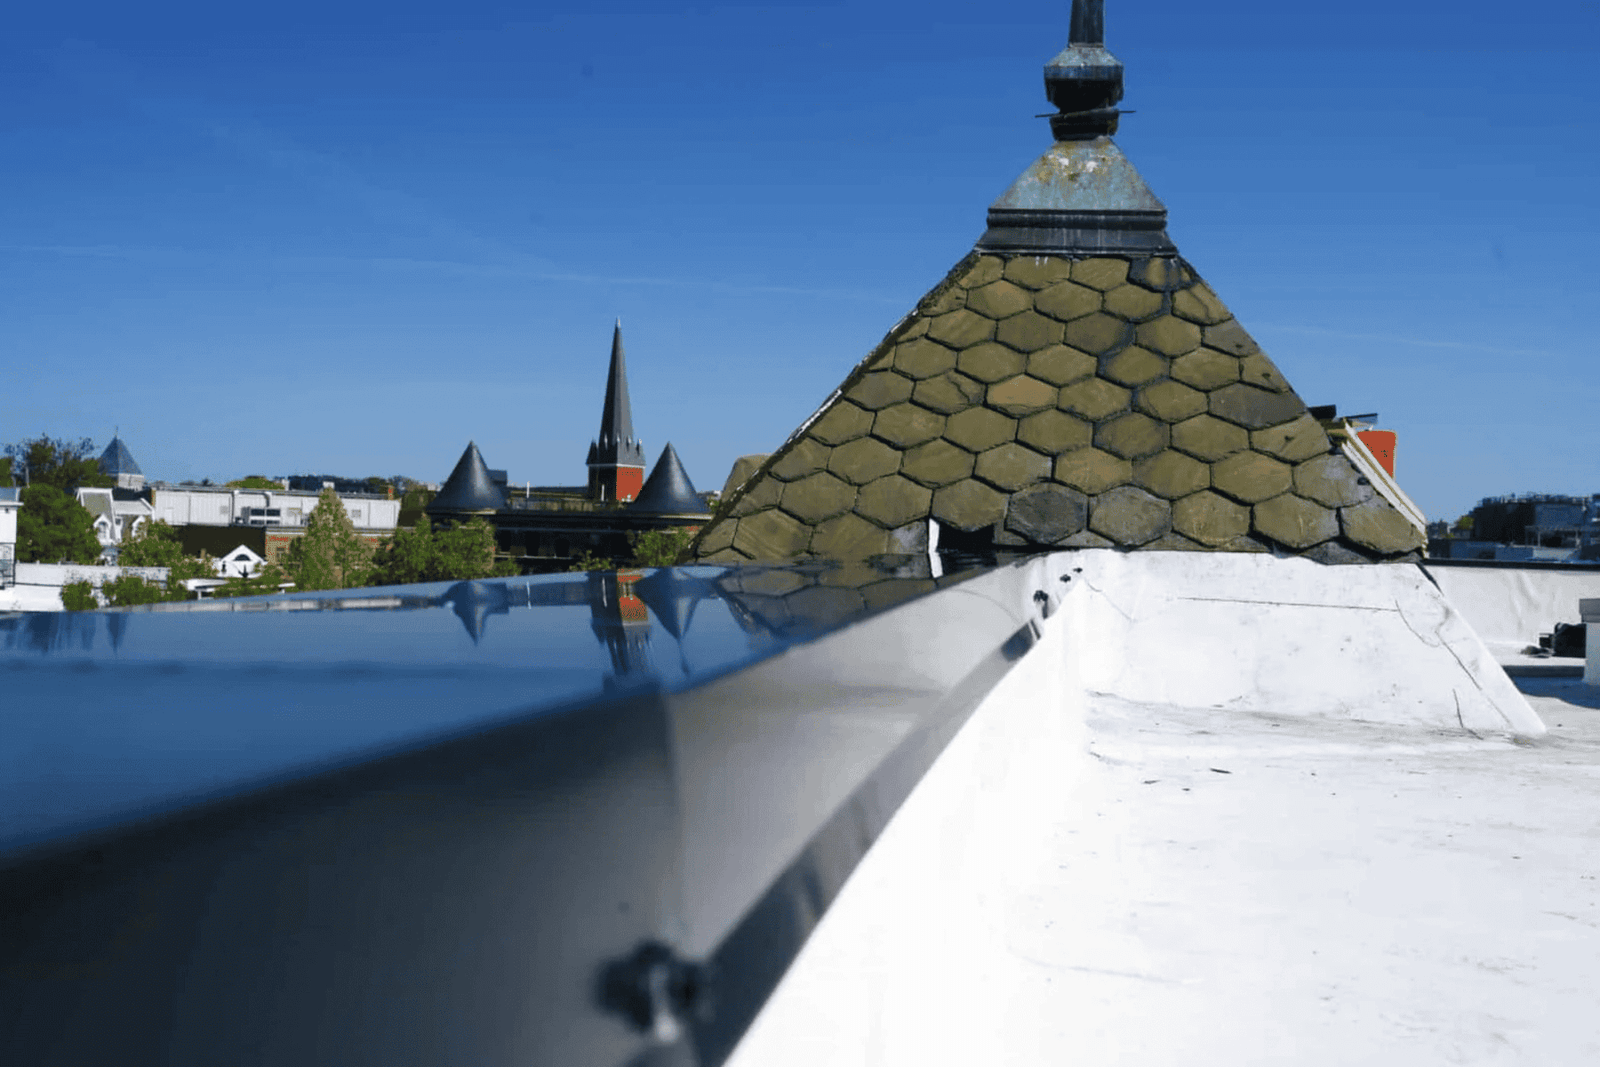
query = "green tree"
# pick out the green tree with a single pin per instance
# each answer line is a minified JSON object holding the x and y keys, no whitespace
{"x":5,"y":472}
{"x":587,"y":561}
{"x":269,"y":580}
{"x":424,"y":554}
{"x":128,"y":590}
{"x":154,"y":544}
{"x":78,"y":596}
{"x":52,"y":526}
{"x":331,"y":555}
{"x":660,"y":548}
{"x":256,"y":481}
{"x":57,"y":462}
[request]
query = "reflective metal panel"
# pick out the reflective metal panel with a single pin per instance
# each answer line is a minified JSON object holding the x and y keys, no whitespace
{"x":577,"y":819}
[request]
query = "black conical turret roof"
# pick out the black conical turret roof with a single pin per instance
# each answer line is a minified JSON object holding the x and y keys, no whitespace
{"x":469,"y":487}
{"x":668,"y":490}
{"x":616,"y":443}
{"x":116,"y":459}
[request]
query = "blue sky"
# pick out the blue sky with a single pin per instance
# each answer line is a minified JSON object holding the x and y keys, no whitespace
{"x":349,"y":238}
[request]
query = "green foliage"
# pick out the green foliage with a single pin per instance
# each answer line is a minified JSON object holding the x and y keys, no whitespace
{"x":411,"y":505}
{"x":60,"y":463}
{"x":589,"y":562}
{"x":52,"y":527}
{"x":266,"y":582}
{"x":660,"y":548}
{"x":256,"y":481}
{"x":423,"y":554}
{"x":331,"y":555}
{"x":154,"y":544}
{"x":129,"y":590}
{"x":5,"y":472}
{"x":78,"y":596}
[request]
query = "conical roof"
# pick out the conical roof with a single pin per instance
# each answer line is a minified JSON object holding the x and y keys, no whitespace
{"x":1072,"y":383}
{"x":116,"y":459}
{"x":616,"y":443}
{"x":470,"y":487}
{"x":668,"y":490}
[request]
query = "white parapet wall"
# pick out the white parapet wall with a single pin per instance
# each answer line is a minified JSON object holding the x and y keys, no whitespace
{"x":38,"y":585}
{"x":1510,"y":607}
{"x":1065,"y":886}
{"x":1290,"y":637}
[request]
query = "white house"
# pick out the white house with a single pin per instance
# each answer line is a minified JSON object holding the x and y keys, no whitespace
{"x":195,"y":505}
{"x":118,"y":514}
{"x":10,"y":504}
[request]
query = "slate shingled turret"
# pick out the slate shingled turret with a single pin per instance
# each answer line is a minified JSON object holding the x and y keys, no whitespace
{"x":1071,"y":383}
{"x":669,"y":491}
{"x":469,"y":489}
{"x":118,"y":462}
{"x":616,"y":457}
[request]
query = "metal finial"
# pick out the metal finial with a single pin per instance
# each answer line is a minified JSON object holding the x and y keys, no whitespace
{"x":1088,"y":22}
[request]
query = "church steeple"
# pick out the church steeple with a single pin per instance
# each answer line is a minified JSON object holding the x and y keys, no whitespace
{"x":616,"y":457}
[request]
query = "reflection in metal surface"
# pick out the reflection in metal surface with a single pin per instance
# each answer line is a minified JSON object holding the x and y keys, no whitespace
{"x":483,"y":822}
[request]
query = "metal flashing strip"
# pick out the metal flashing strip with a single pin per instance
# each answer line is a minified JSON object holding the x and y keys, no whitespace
{"x":423,"y":825}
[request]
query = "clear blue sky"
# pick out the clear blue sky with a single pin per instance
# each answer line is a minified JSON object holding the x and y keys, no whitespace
{"x":350,"y":237}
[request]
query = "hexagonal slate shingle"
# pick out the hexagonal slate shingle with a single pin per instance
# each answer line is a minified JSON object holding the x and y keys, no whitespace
{"x":1254,"y":409}
{"x":1029,"y":332}
{"x":1296,"y":522}
{"x":1094,"y":398}
{"x":948,"y":393}
{"x":1250,"y":477}
{"x":905,"y":425}
{"x":1129,"y":516}
{"x":806,"y":457}
{"x":1022,"y":395}
{"x":1011,"y":466}
{"x":1208,"y":438}
{"x":880,"y":389}
{"x":894,"y":501}
{"x":1038,"y":272}
{"x":923,"y":358}
{"x":840,"y":423}
{"x":1210,"y":519}
{"x":1200,"y":305}
{"x":1132,"y":436}
{"x":1296,"y":440}
{"x":1100,"y":274}
{"x":1044,"y":514}
{"x":772,"y":535}
{"x":1206,"y":369}
{"x":1377,"y":526}
{"x":1091,"y":470}
{"x":1133,"y":302}
{"x":1170,"y":401}
{"x":979,"y":428}
{"x":937,"y":463}
{"x":1060,"y":365}
{"x":1098,"y":334}
{"x":1135,"y":366}
{"x":1332,"y":480}
{"x":1171,"y":474}
{"x":848,"y":537}
{"x":990,"y":362}
{"x":817,"y":497}
{"x":961,"y":329}
{"x":864,"y":460}
{"x":1067,"y":301}
{"x":1054,"y":432}
{"x":1168,"y":335}
{"x":999,"y":300}
{"x":969,"y":505}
